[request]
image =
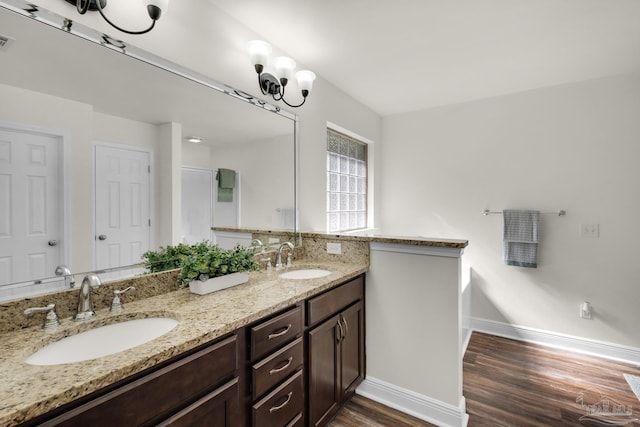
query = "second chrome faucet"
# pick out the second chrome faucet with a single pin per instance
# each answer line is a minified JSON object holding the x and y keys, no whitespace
{"x":85,"y":302}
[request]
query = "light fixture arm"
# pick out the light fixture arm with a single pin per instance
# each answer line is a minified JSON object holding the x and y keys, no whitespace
{"x":85,"y":5}
{"x":269,"y":85}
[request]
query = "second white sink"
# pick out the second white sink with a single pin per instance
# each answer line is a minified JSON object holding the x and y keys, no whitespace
{"x":102,"y":341}
{"x":309,"y":273}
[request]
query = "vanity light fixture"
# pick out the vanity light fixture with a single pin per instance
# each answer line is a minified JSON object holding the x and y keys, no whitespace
{"x":154,"y":9}
{"x":275,"y":85}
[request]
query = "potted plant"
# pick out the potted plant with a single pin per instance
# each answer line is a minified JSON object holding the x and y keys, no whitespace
{"x":205,"y":268}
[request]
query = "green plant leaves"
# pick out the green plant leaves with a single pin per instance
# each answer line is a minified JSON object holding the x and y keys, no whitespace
{"x":200,"y":259}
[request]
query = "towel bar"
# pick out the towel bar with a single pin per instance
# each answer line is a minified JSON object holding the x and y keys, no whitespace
{"x":559,"y":213}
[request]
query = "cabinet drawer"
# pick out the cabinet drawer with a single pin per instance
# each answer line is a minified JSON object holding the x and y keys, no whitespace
{"x":216,"y":409}
{"x":281,"y":406}
{"x":159,"y":393}
{"x":298,"y":421}
{"x":270,"y":371}
{"x":334,"y":300}
{"x":269,"y":335}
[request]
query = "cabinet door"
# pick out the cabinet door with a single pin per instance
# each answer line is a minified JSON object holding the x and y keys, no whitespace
{"x":324,"y":371}
{"x":217,"y":409}
{"x":352,"y":349}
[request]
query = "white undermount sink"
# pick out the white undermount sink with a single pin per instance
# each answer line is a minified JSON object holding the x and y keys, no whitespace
{"x":102,"y":341}
{"x":309,"y":273}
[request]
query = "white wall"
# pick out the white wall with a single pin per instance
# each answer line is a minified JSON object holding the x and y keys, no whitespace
{"x":572,"y":147}
{"x":266,"y":178}
{"x":413,"y":323}
{"x":81,"y":127}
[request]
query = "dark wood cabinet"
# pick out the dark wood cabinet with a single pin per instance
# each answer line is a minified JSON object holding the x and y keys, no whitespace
{"x":186,"y":391}
{"x":335,"y":349}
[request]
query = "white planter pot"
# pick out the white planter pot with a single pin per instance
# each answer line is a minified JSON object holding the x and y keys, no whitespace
{"x":218,"y":283}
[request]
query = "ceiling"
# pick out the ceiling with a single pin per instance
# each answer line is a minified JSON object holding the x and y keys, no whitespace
{"x":397,"y":56}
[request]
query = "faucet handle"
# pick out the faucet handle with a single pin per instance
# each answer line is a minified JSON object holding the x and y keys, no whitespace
{"x":267,"y":262}
{"x":289,"y":259}
{"x":116,"y":304}
{"x":50,"y":320}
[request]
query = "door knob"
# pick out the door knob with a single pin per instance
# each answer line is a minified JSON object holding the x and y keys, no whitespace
{"x":52,"y":243}
{"x":102,"y":237}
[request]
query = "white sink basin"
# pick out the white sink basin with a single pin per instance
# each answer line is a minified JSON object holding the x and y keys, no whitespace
{"x":310,"y":273}
{"x":102,"y":341}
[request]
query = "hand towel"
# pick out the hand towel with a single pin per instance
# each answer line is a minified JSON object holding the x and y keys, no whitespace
{"x":226,"y":182}
{"x":520,"y":239}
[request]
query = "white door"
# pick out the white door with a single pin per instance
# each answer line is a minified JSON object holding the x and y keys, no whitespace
{"x":197,"y":210}
{"x":122,"y":203}
{"x":31,"y":191}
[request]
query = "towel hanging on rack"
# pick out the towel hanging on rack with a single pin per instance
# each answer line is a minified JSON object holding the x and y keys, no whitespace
{"x":520,"y":238}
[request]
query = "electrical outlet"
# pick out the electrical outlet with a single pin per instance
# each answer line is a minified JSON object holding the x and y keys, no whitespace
{"x":273,"y":240}
{"x":334,"y":248}
{"x":590,"y":230}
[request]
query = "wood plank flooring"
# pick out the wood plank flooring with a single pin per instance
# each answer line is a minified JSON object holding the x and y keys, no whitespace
{"x":363,"y":412}
{"x":510,"y":383}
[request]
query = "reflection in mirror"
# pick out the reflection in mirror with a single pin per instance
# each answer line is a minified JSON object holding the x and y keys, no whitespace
{"x":95,"y":166}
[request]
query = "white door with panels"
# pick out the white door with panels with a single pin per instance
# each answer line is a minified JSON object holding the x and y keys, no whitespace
{"x":122,"y":205}
{"x":197,"y":205}
{"x":31,"y":207}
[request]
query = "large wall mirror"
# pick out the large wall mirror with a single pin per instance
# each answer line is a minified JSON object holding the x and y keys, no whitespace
{"x":95,"y":162}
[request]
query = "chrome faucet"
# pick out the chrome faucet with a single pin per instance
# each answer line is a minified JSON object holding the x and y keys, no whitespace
{"x":63,"y":270}
{"x":85,"y":303}
{"x":257,"y":243}
{"x":279,"y":257}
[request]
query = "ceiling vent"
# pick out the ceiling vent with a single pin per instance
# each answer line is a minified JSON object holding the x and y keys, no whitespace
{"x":5,"y":42}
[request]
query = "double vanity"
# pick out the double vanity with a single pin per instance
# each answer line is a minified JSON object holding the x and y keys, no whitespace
{"x":285,"y":349}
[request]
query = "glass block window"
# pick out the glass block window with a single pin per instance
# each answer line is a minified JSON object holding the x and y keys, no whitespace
{"x":346,"y":183}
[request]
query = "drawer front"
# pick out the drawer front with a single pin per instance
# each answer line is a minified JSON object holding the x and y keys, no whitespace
{"x":269,"y":335}
{"x":164,"y":390}
{"x":334,"y":300}
{"x":270,"y":371}
{"x":298,"y":421}
{"x":281,"y":406}
{"x":216,"y":409}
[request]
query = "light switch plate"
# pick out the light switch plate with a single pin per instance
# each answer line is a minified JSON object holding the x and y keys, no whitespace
{"x":273,"y":240}
{"x":590,"y":230}
{"x":334,"y":248}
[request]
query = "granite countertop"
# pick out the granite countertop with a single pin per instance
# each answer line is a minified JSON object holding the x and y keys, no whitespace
{"x":27,"y":391}
{"x":364,"y":236}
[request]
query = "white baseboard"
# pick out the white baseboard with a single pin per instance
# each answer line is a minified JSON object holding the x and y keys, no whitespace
{"x":553,"y":339}
{"x":417,"y":405}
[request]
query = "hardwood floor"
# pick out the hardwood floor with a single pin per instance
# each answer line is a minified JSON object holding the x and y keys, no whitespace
{"x":363,"y":412}
{"x":509,"y":383}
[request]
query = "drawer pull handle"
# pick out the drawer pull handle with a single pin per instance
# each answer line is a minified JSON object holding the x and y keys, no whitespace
{"x":286,"y":364}
{"x":346,"y":326}
{"x":282,"y":405}
{"x":279,"y":332}
{"x":340,"y":335}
